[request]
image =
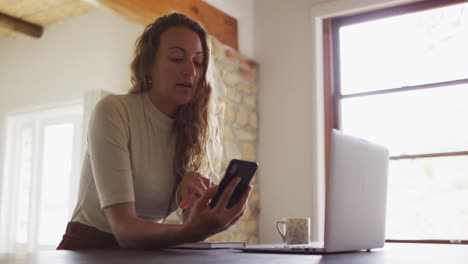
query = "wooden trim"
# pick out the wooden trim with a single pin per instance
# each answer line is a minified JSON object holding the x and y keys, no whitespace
{"x":144,"y":12}
{"x":394,"y":11}
{"x":407,"y":88}
{"x":328,"y":94}
{"x":430,"y":155}
{"x":428,"y":241}
{"x":336,"y":73}
{"x":20,"y":26}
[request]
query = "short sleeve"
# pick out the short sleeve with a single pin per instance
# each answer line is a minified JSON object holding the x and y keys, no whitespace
{"x":108,"y":145}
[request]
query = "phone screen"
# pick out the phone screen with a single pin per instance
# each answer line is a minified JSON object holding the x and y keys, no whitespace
{"x":236,"y":168}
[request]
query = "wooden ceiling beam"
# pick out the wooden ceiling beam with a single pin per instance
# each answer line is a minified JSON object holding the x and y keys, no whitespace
{"x":21,"y":26}
{"x":216,"y":22}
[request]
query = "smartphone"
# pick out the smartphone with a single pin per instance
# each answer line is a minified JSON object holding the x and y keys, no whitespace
{"x":236,"y":168}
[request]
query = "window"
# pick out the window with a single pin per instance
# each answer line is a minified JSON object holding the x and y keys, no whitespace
{"x":40,"y":180}
{"x":399,"y":77}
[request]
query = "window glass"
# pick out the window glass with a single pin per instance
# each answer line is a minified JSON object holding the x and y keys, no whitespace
{"x":405,"y":50}
{"x":56,"y":170}
{"x":427,"y":198}
{"x":24,"y":184}
{"x":414,"y":122}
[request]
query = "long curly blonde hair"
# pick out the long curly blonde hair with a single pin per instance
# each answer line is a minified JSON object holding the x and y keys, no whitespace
{"x":198,"y":144}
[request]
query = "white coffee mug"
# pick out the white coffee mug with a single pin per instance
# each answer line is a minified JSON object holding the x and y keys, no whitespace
{"x":294,"y":230}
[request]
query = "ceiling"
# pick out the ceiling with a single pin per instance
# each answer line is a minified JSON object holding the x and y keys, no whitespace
{"x":30,"y":17}
{"x":41,"y":12}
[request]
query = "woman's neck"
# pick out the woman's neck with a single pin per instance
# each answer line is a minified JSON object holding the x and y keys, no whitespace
{"x":166,"y":108}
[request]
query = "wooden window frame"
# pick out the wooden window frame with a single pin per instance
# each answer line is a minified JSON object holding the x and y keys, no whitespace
{"x":332,"y":89}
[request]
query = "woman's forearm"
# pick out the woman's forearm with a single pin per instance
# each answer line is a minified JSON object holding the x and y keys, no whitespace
{"x":139,"y":233}
{"x":134,"y":232}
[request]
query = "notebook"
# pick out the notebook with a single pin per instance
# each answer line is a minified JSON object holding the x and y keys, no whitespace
{"x":355,"y":203}
{"x":211,"y":245}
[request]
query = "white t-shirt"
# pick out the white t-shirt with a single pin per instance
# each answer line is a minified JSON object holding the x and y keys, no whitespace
{"x":129,"y":158}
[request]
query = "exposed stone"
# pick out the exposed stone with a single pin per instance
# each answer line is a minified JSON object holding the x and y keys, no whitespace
{"x":253,"y":122}
{"x":242,"y":117}
{"x":254,"y":195}
{"x":245,"y":135}
{"x":229,"y":114}
{"x":254,"y":180}
{"x":217,"y":238}
{"x":228,"y":134}
{"x":231,"y":54}
{"x":239,"y":236}
{"x":232,"y":150}
{"x":249,"y":101}
{"x":231,"y":79}
{"x":245,"y":89}
{"x":237,"y":78}
{"x":250,"y":226}
{"x":247,"y":63}
{"x":234,"y":97}
{"x":248,"y":74}
{"x":248,"y":212}
{"x":248,"y":151}
{"x":252,"y":240}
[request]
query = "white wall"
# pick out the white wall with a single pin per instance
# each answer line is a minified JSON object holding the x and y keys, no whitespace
{"x":92,"y":51}
{"x":290,"y":152}
{"x":243,"y":11}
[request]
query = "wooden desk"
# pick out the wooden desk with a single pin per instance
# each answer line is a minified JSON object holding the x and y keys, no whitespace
{"x":391,"y":254}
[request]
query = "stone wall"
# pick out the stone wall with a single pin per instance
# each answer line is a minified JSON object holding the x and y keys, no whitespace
{"x":238,"y":90}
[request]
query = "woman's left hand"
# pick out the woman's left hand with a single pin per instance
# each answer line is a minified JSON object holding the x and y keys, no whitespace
{"x":193,"y":186}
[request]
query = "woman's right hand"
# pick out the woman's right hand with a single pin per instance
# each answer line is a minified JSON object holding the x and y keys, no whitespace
{"x":204,"y":221}
{"x":192,"y":186}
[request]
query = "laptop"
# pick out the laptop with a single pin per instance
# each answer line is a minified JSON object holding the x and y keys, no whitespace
{"x":355,"y":204}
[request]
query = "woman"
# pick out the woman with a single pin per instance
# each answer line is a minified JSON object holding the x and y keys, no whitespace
{"x":146,"y":148}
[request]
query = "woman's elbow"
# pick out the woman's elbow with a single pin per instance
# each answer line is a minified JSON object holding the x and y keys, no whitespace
{"x":124,"y":237}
